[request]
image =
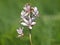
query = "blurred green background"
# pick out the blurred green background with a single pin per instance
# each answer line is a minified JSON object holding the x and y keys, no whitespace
{"x":45,"y":32}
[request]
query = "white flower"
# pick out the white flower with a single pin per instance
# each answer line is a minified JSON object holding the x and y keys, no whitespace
{"x":28,"y":15}
{"x":35,"y":12}
{"x":28,"y":23}
{"x":24,"y":14}
{"x":20,"y":32}
{"x":27,"y":8}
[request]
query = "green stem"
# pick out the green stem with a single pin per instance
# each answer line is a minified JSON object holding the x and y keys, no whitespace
{"x":30,"y":37}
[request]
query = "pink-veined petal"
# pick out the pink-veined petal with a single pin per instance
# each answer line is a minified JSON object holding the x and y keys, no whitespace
{"x":27,"y":8}
{"x":20,"y":31}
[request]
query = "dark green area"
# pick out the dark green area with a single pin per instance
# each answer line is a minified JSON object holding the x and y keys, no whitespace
{"x":45,"y":32}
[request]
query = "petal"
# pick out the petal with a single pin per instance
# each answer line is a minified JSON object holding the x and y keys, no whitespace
{"x":26,"y":21}
{"x":33,"y":23}
{"x":17,"y":31}
{"x":22,"y":13}
{"x":30,"y":20}
{"x":33,"y":13}
{"x":19,"y":35}
{"x":30,"y":27}
{"x":26,"y":14}
{"x":24,"y":24}
{"x":25,"y":8}
{"x":28,"y":6}
{"x":37,"y":12}
{"x":20,"y":31}
{"x":35,"y":9}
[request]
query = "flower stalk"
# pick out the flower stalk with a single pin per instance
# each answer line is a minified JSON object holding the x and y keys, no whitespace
{"x":28,"y":16}
{"x":30,"y":37}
